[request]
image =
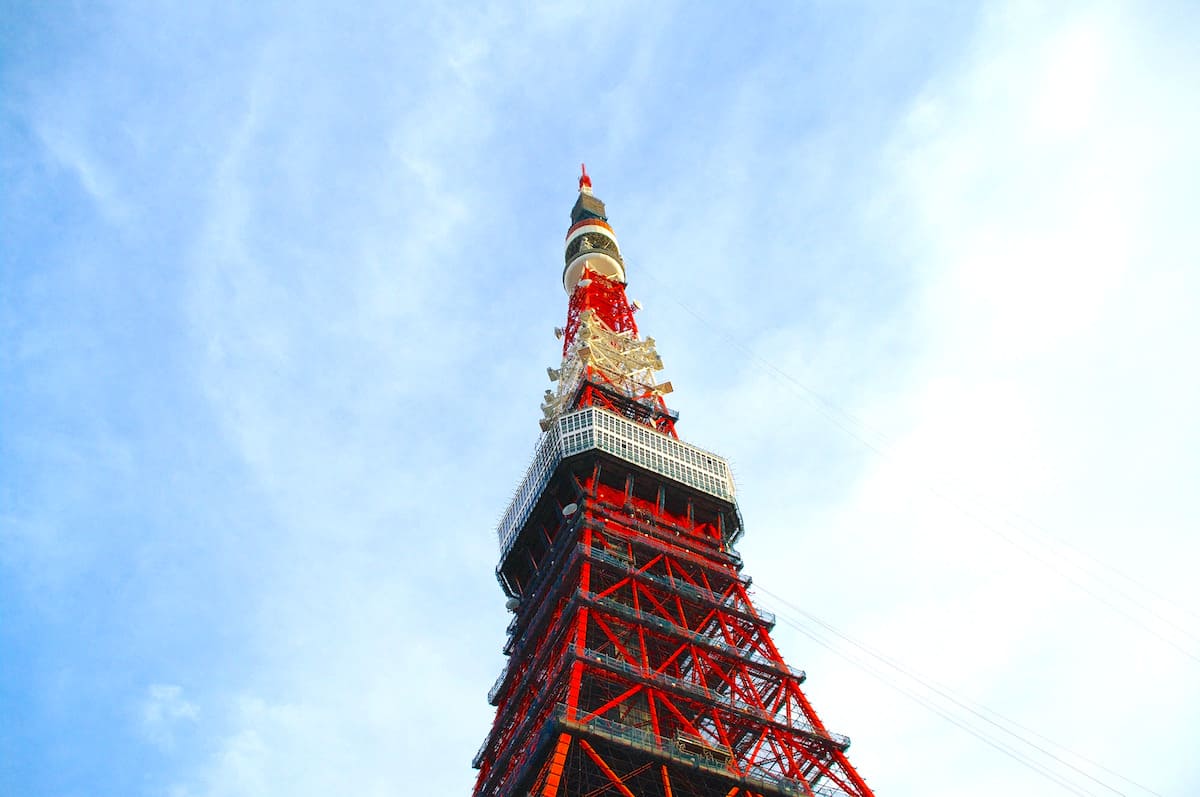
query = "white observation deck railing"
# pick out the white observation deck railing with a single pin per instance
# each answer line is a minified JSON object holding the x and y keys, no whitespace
{"x":593,"y":427}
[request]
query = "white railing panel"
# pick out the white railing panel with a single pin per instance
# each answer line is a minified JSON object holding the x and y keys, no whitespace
{"x":593,"y":427}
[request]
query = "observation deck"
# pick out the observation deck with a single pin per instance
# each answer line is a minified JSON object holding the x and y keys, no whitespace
{"x":597,"y":428}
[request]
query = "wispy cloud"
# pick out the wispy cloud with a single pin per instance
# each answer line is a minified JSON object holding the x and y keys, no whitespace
{"x":162,"y":710}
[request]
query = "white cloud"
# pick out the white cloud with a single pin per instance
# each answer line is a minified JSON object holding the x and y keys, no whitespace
{"x":1024,"y":183}
{"x":162,"y":711}
{"x":68,"y":146}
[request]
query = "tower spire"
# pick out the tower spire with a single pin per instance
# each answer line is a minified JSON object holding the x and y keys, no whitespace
{"x":604,"y":360}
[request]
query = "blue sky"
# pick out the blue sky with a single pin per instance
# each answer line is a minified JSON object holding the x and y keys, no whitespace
{"x":277,"y":289}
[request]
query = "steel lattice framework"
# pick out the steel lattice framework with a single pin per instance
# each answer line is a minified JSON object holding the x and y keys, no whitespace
{"x":638,"y":664}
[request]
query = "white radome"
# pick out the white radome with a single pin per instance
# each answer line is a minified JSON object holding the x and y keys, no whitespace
{"x":598,"y":262}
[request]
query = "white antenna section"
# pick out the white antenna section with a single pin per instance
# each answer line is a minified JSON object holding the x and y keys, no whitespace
{"x":625,"y":364}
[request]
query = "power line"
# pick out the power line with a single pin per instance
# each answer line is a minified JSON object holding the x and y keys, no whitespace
{"x":858,"y":429}
{"x":1016,"y":755}
{"x":973,"y":707}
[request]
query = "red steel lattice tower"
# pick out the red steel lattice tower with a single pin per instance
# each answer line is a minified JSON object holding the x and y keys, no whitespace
{"x":638,"y":665}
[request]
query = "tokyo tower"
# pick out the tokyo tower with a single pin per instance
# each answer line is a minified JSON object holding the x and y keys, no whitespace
{"x":637,"y":663}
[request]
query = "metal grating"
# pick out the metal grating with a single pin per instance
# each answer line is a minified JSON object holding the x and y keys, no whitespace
{"x":593,"y":427}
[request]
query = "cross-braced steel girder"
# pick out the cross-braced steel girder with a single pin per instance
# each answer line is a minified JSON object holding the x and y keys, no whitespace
{"x":643,"y":662}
